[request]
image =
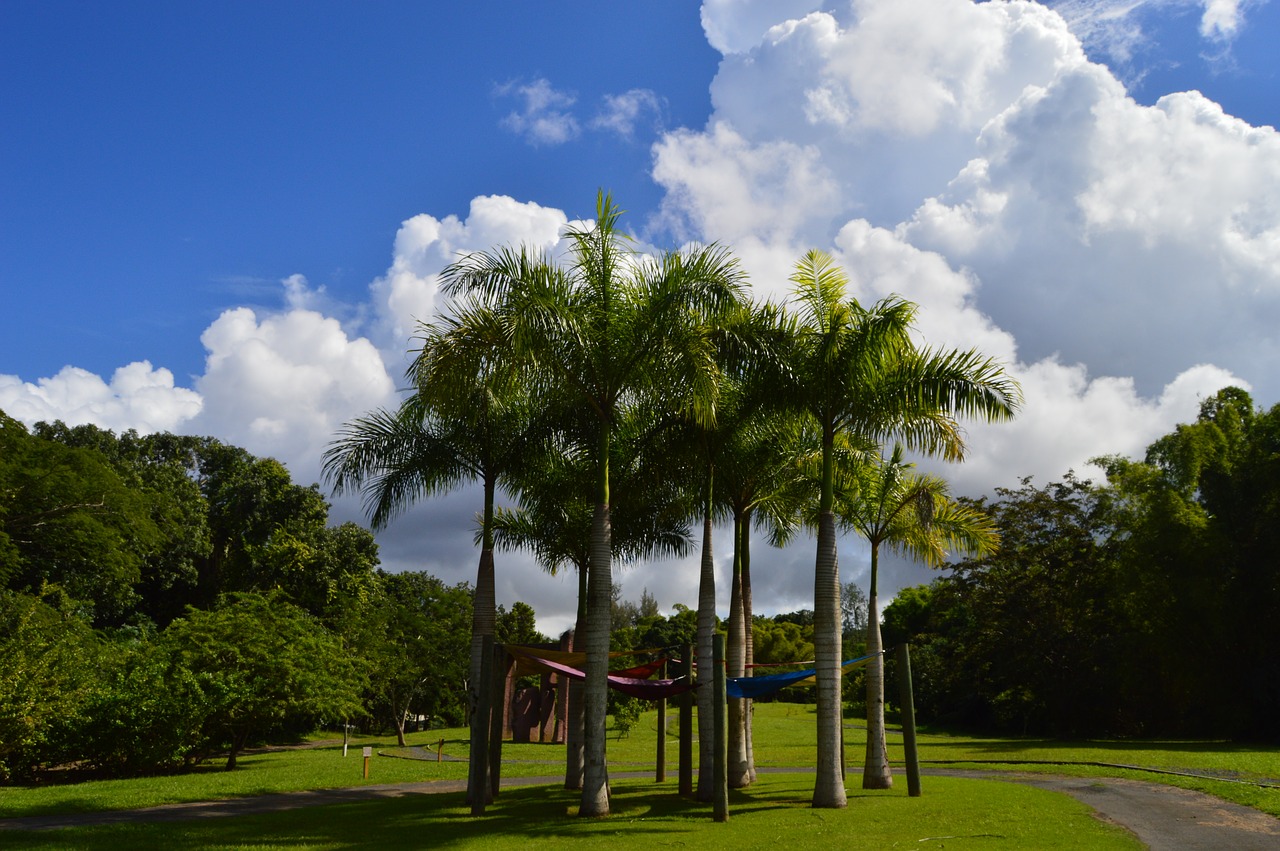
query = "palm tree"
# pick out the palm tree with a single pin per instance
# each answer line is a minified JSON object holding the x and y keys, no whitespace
{"x":759,"y":485}
{"x":913,"y":514}
{"x":857,"y":373}
{"x":611,"y":328}
{"x":553,"y":521}
{"x":467,"y":419}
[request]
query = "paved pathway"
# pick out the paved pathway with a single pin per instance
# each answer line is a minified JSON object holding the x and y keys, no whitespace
{"x":1165,"y":818}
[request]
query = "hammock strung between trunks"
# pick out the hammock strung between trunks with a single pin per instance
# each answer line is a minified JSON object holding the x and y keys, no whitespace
{"x":532,"y":661}
{"x":754,"y":687}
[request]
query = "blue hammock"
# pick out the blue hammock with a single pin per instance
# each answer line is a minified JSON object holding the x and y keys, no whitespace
{"x":754,"y":687}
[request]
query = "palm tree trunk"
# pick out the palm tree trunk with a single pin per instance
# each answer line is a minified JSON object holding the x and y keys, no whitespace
{"x":595,"y":777}
{"x":483,"y":618}
{"x":875,"y":770}
{"x":738,"y":772}
{"x":749,"y":643}
{"x":706,"y":636}
{"x":828,"y":788}
{"x":573,"y":758}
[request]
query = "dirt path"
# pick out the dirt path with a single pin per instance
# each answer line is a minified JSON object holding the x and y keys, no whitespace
{"x":1164,"y":818}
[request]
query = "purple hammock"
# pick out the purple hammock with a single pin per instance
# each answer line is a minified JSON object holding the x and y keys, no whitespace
{"x":643,"y":689}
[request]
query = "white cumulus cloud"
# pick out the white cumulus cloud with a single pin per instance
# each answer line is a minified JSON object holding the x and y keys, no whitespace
{"x":138,"y":396}
{"x":406,"y":294}
{"x":282,"y":385}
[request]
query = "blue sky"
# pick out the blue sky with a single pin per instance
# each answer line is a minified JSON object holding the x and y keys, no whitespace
{"x":172,"y":160}
{"x":224,"y":218}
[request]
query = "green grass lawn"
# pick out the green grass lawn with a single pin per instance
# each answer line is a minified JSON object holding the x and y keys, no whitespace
{"x":775,"y":812}
{"x":953,"y":811}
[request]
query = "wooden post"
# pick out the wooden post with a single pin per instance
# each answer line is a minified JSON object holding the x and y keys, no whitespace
{"x":720,"y":773}
{"x":440,"y":752}
{"x":478,"y":777}
{"x":686,"y":727}
{"x":842,"y":752}
{"x":497,"y":715}
{"x":368,"y":753}
{"x":907,"y":698}
{"x":661,"y":756}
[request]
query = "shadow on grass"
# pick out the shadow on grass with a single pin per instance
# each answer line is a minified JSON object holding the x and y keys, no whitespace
{"x":643,"y":813}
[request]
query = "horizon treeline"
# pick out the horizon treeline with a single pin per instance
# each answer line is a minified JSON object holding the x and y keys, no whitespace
{"x":1145,"y":605}
{"x":165,"y":599}
{"x":137,"y":573}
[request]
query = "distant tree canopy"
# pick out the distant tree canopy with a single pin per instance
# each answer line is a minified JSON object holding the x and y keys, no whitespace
{"x":1145,"y":605}
{"x":164,"y":598}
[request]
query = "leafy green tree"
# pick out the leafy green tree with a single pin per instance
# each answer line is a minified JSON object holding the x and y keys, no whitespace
{"x":608,"y":328}
{"x":519,"y":625}
{"x":146,"y":715}
{"x":1039,"y":635}
{"x":781,"y":642}
{"x":415,"y":649}
{"x":258,"y":662}
{"x":49,"y":663}
{"x":69,"y":519}
{"x":158,"y":467}
{"x":1199,"y":518}
{"x":859,"y":375}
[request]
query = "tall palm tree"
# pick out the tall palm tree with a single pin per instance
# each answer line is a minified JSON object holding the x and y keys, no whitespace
{"x":760,"y":486}
{"x":857,"y":372}
{"x":611,"y":327}
{"x":467,"y":419}
{"x":553,"y":522}
{"x":915,"y":515}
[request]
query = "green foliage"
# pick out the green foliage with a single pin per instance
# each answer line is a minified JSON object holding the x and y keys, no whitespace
{"x":518,"y":626}
{"x":145,"y":716}
{"x":626,"y":712}
{"x":48,"y":676}
{"x":414,"y":645}
{"x":70,"y":519}
{"x":781,"y":640}
{"x":258,"y":662}
{"x":1145,"y":606}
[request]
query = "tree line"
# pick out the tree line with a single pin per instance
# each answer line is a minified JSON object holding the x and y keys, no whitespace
{"x":1143,"y":605}
{"x":166,"y":598}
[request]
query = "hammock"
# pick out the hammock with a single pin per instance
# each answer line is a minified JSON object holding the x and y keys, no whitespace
{"x":642,"y":688}
{"x":753,"y":687}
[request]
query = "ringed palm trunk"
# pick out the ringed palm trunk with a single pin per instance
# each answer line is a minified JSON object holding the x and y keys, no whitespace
{"x":706,"y":636}
{"x":828,"y":787}
{"x":573,"y":759}
{"x":483,"y":619}
{"x":738,"y":771}
{"x":595,"y":776}
{"x":875,"y":770}
{"x":749,"y":644}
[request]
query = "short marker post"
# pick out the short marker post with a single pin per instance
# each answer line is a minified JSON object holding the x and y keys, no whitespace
{"x":368,"y":753}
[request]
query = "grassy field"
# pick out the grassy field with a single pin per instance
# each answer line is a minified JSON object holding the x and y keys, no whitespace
{"x":975,"y":813}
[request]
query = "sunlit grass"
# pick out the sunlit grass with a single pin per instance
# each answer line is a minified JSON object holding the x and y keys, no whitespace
{"x":784,"y":738}
{"x":775,"y":811}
